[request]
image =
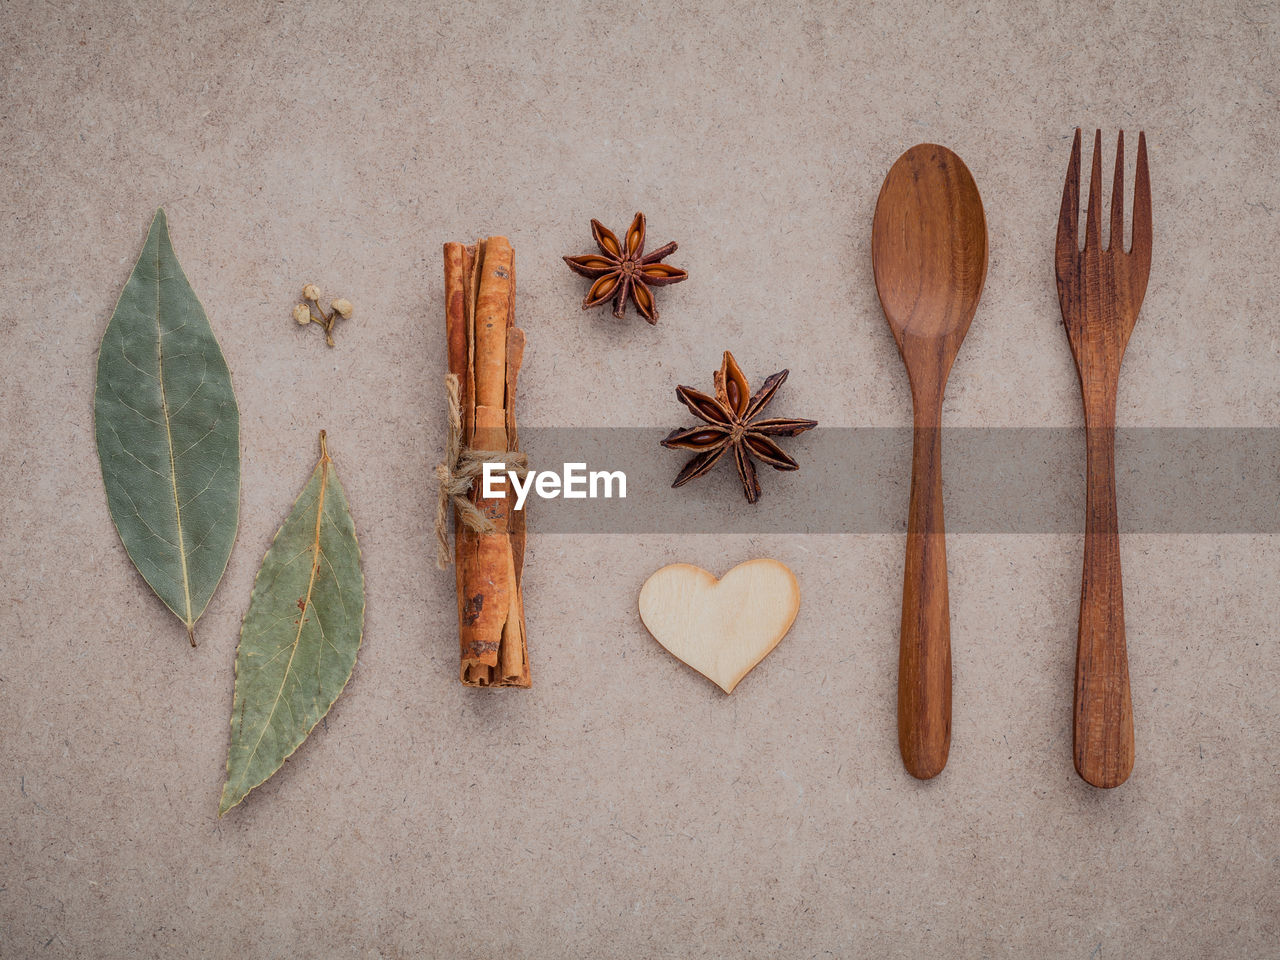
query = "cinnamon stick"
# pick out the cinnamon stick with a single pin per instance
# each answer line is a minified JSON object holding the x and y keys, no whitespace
{"x":456,"y":263}
{"x":485,"y":351}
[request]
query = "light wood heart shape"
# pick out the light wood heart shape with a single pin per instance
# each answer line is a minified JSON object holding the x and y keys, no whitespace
{"x":721,"y":628}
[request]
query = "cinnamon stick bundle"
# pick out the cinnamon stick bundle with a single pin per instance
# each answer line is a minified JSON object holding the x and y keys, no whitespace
{"x":485,"y":352}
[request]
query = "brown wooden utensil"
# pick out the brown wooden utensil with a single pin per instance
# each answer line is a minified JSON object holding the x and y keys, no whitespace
{"x":929,"y":254}
{"x":1101,"y":292}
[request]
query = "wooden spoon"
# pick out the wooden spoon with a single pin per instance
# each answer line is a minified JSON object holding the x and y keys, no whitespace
{"x":929,"y":254}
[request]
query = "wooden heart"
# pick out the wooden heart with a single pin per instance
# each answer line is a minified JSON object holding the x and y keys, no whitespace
{"x":721,"y":628}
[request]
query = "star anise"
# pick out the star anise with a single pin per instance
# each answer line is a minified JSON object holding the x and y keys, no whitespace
{"x":625,"y":269}
{"x":730,"y":422}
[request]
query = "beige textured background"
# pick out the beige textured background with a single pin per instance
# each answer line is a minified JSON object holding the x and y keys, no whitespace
{"x":624,"y":807}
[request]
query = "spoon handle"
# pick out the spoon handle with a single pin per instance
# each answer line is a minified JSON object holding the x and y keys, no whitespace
{"x":1103,"y":729}
{"x":924,"y":658}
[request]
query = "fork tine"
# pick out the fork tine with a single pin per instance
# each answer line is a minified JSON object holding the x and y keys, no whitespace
{"x":1093,"y":218}
{"x":1068,"y":218}
{"x":1141,"y":246}
{"x":1116,"y":241}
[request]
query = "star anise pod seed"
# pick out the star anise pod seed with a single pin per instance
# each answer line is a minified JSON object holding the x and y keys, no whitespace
{"x":730,"y":422}
{"x":625,"y":270}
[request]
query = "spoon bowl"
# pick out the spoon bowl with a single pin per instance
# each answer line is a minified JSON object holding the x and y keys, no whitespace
{"x":929,"y":255}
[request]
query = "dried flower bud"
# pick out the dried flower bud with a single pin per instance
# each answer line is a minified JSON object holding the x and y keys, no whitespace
{"x":302,"y":313}
{"x":311,"y":292}
{"x":343,"y":307}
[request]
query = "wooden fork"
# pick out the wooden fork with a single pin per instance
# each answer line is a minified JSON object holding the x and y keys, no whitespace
{"x":1101,"y":292}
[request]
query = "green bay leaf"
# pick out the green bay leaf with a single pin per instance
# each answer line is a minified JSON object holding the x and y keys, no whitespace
{"x":168,"y":433}
{"x":300,"y":636}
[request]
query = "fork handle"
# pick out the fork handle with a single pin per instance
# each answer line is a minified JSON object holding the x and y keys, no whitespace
{"x":924,"y":655}
{"x":1103,"y":729}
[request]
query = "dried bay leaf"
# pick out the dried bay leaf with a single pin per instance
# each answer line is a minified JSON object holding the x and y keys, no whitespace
{"x":168,"y":433}
{"x":300,"y":636}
